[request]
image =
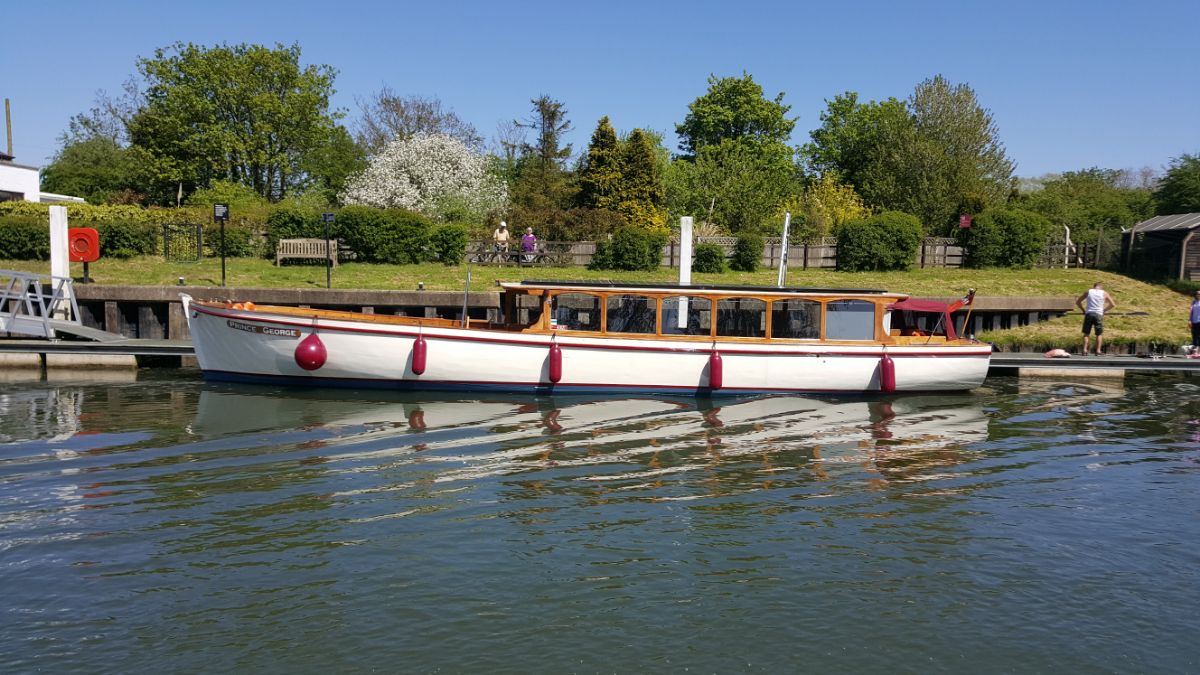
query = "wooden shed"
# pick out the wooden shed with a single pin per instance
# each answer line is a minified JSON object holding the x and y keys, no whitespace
{"x":1164,"y":246}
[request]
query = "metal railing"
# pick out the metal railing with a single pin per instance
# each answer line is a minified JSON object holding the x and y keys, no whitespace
{"x":33,"y":303}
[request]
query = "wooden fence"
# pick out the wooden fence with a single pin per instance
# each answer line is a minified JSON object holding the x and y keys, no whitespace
{"x":816,"y":254}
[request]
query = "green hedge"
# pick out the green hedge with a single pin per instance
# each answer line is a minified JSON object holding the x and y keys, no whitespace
{"x":887,"y":241}
{"x":709,"y":259}
{"x":1005,"y":237}
{"x":448,"y":243}
{"x":387,"y":236}
{"x":290,"y":222}
{"x":24,"y":238}
{"x":631,"y":248}
{"x":747,"y":252}
{"x":129,"y":240}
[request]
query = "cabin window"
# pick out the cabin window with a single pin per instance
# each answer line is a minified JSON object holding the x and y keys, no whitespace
{"x":523,"y":309}
{"x":631,"y":314}
{"x":850,"y":320}
{"x":575,"y":311}
{"x":796,"y":319}
{"x":741,"y":317}
{"x":697,"y":316}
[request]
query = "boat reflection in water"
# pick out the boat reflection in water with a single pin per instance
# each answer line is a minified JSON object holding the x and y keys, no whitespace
{"x":617,"y":441}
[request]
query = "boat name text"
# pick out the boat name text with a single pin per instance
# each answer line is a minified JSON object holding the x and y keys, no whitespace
{"x":264,"y":330}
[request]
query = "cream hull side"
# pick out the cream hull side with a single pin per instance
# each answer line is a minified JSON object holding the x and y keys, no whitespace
{"x":257,"y":346}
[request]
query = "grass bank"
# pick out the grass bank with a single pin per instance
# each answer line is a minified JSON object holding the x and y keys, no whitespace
{"x":1147,"y":315}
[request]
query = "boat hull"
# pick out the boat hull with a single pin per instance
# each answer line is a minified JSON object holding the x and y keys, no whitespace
{"x":257,"y":346}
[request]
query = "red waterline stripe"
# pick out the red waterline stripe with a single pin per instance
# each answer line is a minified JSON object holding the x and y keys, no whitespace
{"x":546,"y":343}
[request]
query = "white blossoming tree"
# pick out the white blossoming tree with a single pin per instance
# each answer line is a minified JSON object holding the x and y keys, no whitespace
{"x":432,"y":174}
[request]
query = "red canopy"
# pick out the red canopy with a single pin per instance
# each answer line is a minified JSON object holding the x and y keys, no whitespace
{"x":914,"y":305}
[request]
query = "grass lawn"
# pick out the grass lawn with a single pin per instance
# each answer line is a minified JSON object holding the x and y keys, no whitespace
{"x":1164,"y":322}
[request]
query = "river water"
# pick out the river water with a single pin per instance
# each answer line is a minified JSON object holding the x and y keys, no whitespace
{"x":170,"y":525}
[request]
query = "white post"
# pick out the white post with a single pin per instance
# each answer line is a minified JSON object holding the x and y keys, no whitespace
{"x":60,"y":260}
{"x":1066,"y":247}
{"x":685,"y":266}
{"x":685,"y":250}
{"x":787,"y":223}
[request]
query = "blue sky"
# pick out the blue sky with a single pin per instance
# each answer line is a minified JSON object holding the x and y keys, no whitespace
{"x":1071,"y":85}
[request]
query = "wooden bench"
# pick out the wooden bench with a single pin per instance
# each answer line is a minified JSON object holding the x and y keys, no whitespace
{"x":306,"y":249}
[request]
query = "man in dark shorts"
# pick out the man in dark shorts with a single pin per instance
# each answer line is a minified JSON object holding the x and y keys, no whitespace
{"x":1098,"y":302}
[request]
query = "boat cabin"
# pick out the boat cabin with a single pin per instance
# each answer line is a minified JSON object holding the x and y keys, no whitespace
{"x":709,"y":312}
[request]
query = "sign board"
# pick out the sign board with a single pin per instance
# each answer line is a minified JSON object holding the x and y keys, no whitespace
{"x":964,"y":221}
{"x":326,"y":217}
{"x":221,"y":212}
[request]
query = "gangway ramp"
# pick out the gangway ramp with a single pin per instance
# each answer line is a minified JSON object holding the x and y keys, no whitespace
{"x":43,"y":306}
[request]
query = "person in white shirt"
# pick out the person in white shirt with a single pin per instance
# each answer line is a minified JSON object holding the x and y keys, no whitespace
{"x":500,"y":238}
{"x":1098,"y":302}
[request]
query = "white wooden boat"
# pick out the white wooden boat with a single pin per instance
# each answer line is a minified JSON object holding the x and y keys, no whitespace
{"x":587,"y":337}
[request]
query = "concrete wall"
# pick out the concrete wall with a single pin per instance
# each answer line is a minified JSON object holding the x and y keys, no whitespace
{"x":20,"y":179}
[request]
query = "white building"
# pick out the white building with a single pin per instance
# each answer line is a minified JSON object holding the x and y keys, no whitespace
{"x":19,"y":182}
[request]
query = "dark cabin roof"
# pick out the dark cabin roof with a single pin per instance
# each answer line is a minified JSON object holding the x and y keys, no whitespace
{"x":1179,"y":221}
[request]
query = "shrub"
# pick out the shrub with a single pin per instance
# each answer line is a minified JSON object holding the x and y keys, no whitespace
{"x":290,"y":222}
{"x":709,"y":259}
{"x":631,"y":248}
{"x":1004,"y":237}
{"x":887,"y":241}
{"x":391,"y":236}
{"x":127,"y":240}
{"x":448,"y":243}
{"x":240,"y":242}
{"x":235,"y":195}
{"x":747,"y":252}
{"x":24,"y":238}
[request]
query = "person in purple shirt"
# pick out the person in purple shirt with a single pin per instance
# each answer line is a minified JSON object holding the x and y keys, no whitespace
{"x":1194,"y":320}
{"x":528,"y":245}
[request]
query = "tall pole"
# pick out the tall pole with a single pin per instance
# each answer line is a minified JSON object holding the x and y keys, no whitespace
{"x":787,"y":223}
{"x":8,"y":124}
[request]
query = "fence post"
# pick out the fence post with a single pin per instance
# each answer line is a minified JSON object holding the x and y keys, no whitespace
{"x":923,"y":243}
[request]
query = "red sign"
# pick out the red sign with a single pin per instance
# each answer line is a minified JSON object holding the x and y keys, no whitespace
{"x":964,"y":221}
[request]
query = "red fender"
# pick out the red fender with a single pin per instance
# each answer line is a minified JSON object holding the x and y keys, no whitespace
{"x":887,"y":374}
{"x":716,"y":371}
{"x":555,"y":362}
{"x":419,"y":351}
{"x":310,"y":353}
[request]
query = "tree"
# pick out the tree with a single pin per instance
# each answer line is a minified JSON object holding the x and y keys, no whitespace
{"x":640,"y":197}
{"x":824,"y":206}
{"x":95,"y":168}
{"x":742,"y":183}
{"x":850,"y":134}
{"x":436,"y":175}
{"x":331,"y":165}
{"x":734,"y":109}
{"x":541,"y":186}
{"x":936,"y":156}
{"x":737,"y":161}
{"x":1092,"y":204}
{"x":387,"y":116}
{"x":1179,"y":189}
{"x":244,"y":113}
{"x":600,"y":176}
{"x":949,"y":161}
